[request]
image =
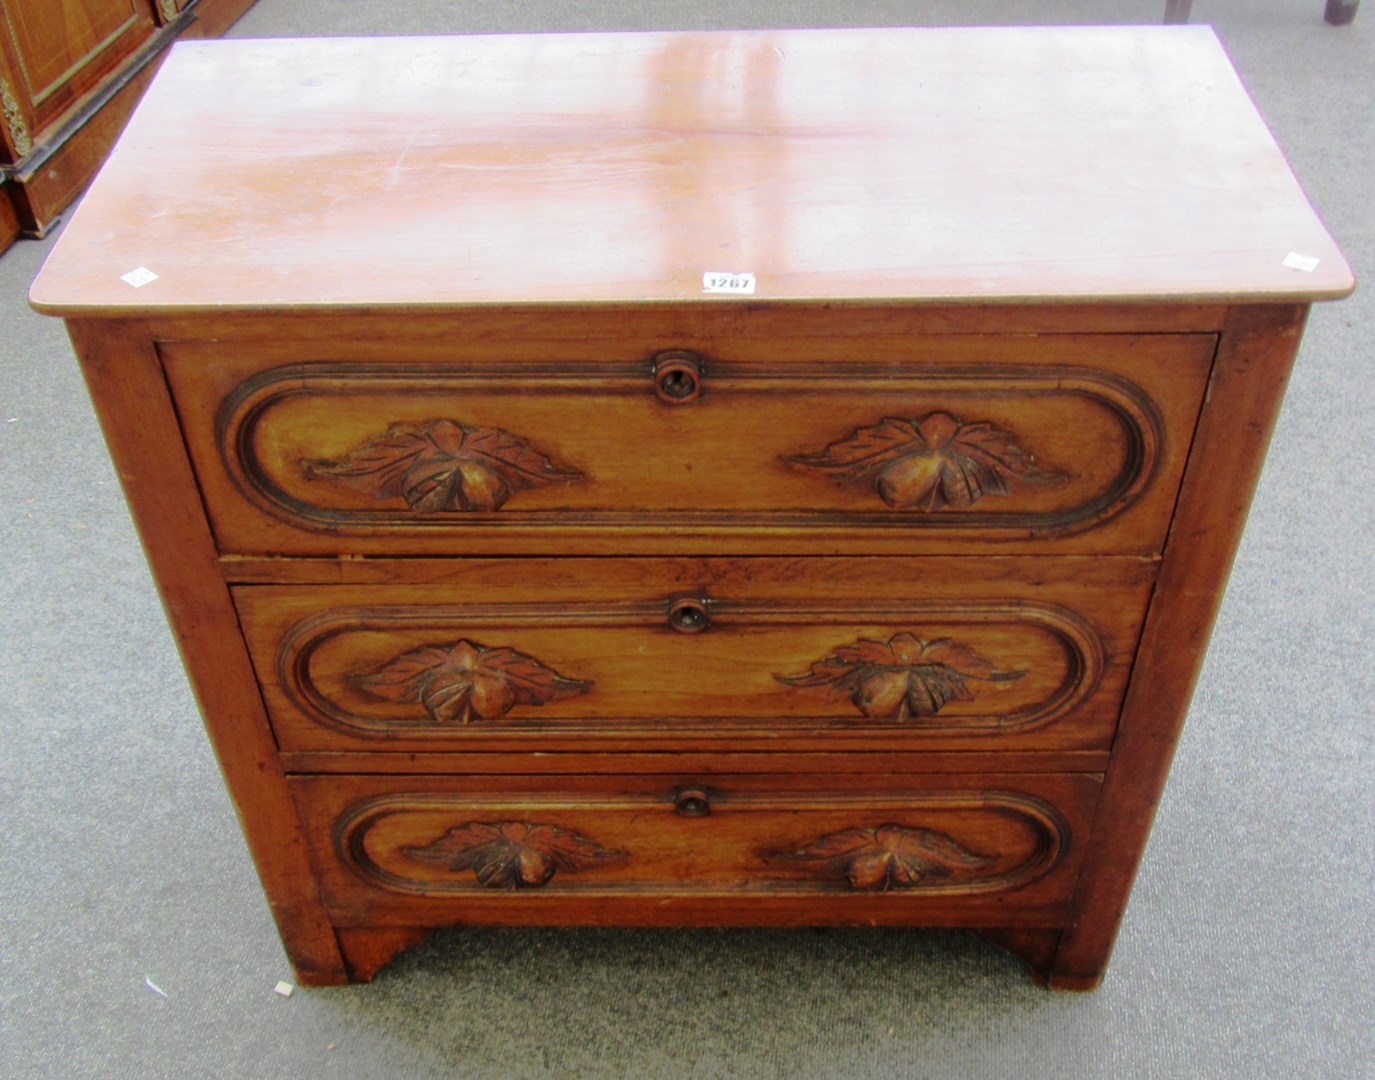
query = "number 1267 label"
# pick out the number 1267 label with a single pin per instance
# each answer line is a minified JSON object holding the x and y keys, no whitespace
{"x":716,"y":281}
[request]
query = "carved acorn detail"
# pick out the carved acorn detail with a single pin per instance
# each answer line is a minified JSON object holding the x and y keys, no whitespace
{"x":903,"y":677}
{"x":442,"y":466}
{"x":465,"y":680}
{"x":891,"y":856}
{"x":929,"y":463}
{"x":512,"y":854}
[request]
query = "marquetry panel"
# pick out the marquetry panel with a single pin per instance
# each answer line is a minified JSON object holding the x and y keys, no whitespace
{"x":58,"y":51}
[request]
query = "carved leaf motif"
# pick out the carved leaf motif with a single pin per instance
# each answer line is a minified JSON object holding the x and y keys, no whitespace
{"x":442,"y":465}
{"x":902,"y":677}
{"x":929,"y":463}
{"x":457,"y":682}
{"x":891,"y":856}
{"x":512,"y":854}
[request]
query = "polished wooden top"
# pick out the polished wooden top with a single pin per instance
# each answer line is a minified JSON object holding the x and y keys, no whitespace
{"x":990,"y":165}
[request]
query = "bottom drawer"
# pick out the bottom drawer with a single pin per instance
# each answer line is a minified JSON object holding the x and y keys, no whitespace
{"x":940,"y":849}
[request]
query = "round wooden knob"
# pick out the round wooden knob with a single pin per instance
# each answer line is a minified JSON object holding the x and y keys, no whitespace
{"x":691,"y":802}
{"x":688,"y":616}
{"x":678,"y":376}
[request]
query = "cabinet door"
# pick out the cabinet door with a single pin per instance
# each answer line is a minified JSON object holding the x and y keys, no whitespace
{"x":57,"y":50}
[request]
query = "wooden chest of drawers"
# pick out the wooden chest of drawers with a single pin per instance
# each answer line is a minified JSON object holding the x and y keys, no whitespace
{"x":749,"y":478}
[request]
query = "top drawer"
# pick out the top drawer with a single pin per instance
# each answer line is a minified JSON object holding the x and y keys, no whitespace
{"x":938,"y":444}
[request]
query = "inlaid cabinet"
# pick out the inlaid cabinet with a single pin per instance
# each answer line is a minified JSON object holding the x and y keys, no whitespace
{"x":70,"y":72}
{"x":773,"y":478}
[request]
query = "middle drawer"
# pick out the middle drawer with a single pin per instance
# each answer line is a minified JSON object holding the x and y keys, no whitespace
{"x":702,"y":654}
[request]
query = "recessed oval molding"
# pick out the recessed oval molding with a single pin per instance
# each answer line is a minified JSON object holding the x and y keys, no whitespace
{"x":1082,"y":647}
{"x":1046,"y":827}
{"x":245,"y":410}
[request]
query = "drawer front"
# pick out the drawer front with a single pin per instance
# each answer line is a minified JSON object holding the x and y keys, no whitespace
{"x":871,"y":654}
{"x":666,"y":849}
{"x":1036,"y":444}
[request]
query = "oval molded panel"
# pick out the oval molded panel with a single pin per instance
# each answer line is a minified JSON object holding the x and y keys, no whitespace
{"x":336,"y":448}
{"x":933,"y":843}
{"x":425,"y":674}
{"x":1042,"y":443}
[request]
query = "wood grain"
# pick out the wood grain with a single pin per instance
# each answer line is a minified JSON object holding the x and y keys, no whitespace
{"x":58,"y":52}
{"x":697,"y":325}
{"x":77,"y":143}
{"x":278,"y":432}
{"x":1245,"y":394}
{"x":130,"y":396}
{"x":649,"y":687}
{"x":851,"y":623}
{"x":72,"y":129}
{"x":366,"y":952}
{"x":374,"y":844}
{"x":700,"y":763}
{"x":811,"y":158}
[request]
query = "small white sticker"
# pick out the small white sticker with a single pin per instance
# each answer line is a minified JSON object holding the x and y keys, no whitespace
{"x":284,"y":988}
{"x":1306,"y":263}
{"x":139,"y":276}
{"x":719,"y":281}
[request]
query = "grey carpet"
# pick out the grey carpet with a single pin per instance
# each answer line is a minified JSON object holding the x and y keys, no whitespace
{"x":1249,"y":945}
